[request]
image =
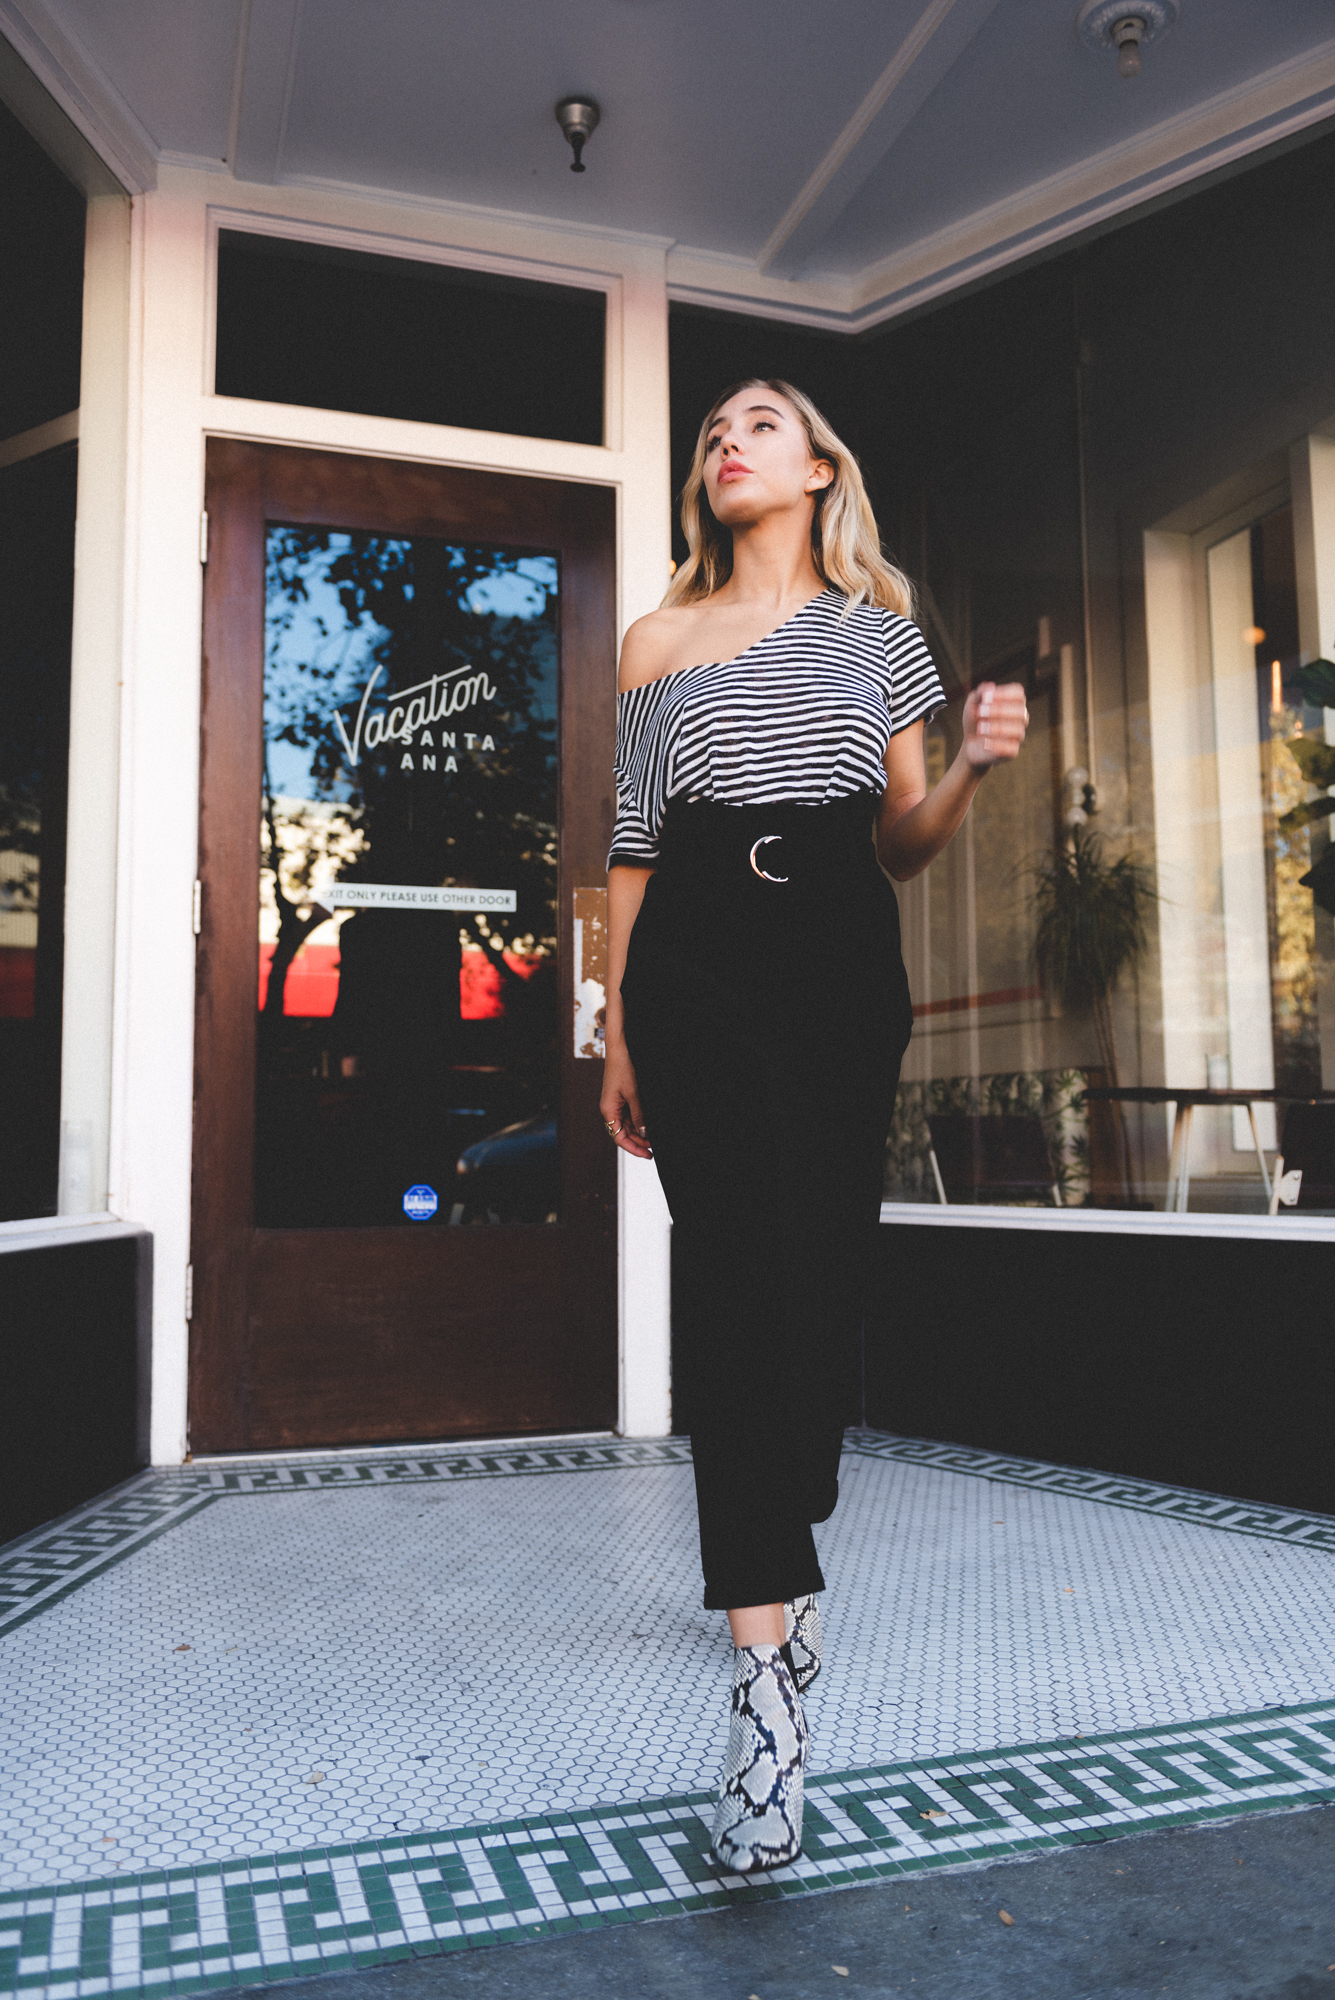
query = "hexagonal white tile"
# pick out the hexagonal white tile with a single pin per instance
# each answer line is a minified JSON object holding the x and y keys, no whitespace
{"x":294,"y":1655}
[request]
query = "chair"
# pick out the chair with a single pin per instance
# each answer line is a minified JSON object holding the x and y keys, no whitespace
{"x":1003,"y":1158}
{"x":1304,"y":1176}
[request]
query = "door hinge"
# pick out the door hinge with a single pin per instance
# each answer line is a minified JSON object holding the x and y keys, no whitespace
{"x":189,"y":1291}
{"x":197,"y":906}
{"x":204,"y":535}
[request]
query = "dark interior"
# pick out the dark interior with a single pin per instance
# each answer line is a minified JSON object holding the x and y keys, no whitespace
{"x":337,"y":329}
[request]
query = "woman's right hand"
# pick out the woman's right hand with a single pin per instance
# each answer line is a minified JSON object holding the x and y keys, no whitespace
{"x":620,"y":1103}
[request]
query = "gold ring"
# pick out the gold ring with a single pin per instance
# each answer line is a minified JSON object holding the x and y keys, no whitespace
{"x":613,"y":1125}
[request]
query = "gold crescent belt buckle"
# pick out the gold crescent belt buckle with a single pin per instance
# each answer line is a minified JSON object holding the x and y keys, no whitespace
{"x":764,"y":875}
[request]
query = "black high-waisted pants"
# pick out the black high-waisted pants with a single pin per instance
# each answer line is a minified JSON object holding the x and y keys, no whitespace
{"x":767,"y":1020}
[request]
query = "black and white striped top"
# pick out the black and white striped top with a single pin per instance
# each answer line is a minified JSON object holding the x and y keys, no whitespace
{"x":804,"y":714}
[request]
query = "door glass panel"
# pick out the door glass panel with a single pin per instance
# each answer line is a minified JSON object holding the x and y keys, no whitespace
{"x":407,"y":1066}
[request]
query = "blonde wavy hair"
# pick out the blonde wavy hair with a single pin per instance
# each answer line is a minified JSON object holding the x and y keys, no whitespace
{"x":845,"y":543}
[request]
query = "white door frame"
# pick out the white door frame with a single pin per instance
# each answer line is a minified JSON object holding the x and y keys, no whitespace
{"x":148,"y":408}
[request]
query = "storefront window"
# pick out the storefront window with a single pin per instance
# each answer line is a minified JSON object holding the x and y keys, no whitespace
{"x":36,"y":589}
{"x":1115,"y":481}
{"x":1112,"y":477}
{"x":41,"y":286}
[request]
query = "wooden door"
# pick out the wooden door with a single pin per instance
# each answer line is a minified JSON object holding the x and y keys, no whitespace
{"x":403,"y":1198}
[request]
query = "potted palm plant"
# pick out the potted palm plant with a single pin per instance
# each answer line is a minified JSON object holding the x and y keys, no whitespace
{"x":1091,"y":927}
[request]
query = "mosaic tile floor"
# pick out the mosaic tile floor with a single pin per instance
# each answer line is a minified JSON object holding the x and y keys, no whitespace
{"x":265,"y":1714}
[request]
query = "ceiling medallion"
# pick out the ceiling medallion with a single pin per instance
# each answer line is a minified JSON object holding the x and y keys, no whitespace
{"x":1125,"y":25}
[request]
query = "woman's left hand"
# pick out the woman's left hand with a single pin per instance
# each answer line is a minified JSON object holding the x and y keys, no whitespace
{"x":995,"y":719}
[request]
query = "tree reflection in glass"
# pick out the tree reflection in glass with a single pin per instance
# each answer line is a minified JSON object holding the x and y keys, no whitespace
{"x":410,"y":742}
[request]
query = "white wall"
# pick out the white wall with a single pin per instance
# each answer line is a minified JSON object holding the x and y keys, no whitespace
{"x":1208,"y":803}
{"x":149,"y":401}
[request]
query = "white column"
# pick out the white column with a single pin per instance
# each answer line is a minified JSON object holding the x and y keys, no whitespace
{"x":159,"y":791}
{"x":644,"y":1229}
{"x":644,"y":1244}
{"x":1241,"y":830}
{"x":1186,"y":835}
{"x":95,"y":674}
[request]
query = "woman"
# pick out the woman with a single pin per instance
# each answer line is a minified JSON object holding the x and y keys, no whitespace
{"x":769,"y":756}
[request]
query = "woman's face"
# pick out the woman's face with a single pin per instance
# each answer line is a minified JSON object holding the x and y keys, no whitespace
{"x":758,"y":460}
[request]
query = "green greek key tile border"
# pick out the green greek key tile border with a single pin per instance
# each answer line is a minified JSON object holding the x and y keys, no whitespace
{"x":184,"y":1930}
{"x":1142,"y":1496}
{"x":43,"y":1567}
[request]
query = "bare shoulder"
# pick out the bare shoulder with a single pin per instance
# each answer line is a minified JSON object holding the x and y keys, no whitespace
{"x":655,"y":645}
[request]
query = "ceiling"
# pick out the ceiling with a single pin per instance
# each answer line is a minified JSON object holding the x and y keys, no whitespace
{"x":833,"y":164}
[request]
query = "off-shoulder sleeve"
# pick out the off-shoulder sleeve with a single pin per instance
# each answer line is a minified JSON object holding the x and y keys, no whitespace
{"x":915,"y":684}
{"x":639,"y":806}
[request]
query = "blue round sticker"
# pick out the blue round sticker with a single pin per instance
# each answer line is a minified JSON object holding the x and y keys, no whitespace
{"x":420,"y":1203}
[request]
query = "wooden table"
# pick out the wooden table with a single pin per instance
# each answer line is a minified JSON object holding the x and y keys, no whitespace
{"x":1179,"y":1159}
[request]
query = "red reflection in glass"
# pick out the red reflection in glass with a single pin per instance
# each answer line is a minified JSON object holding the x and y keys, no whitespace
{"x":312,"y":982}
{"x":18,"y":982}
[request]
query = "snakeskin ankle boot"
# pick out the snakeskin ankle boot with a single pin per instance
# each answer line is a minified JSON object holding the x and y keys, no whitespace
{"x":801,"y":1624}
{"x":759,"y":1819}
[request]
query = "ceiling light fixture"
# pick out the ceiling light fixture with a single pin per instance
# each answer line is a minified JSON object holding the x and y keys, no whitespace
{"x":1125,"y":25}
{"x":1128,"y":35}
{"x":577,"y":117}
